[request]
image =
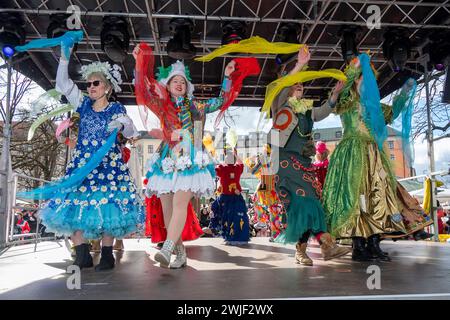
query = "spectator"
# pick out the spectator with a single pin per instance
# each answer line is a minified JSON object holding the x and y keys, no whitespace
{"x":23,"y":225}
{"x":204,"y":217}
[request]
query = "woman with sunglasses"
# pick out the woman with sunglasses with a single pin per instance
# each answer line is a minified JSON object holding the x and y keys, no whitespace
{"x":105,"y":205}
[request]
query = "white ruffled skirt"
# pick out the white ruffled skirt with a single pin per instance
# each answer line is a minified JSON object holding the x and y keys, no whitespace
{"x":170,"y":175}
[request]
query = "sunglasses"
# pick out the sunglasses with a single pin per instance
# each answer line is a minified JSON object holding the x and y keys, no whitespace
{"x":96,"y":83}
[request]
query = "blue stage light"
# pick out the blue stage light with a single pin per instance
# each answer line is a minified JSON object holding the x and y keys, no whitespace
{"x":8,"y":51}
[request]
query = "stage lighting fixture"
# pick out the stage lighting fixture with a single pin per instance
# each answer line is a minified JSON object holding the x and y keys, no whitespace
{"x":115,"y":38}
{"x":58,"y":25}
{"x":396,"y":48}
{"x":233,"y":32}
{"x":349,"y":36}
{"x":12,"y":33}
{"x":287,"y":32}
{"x":439,"y":50}
{"x":56,"y":28}
{"x":180,"y":46}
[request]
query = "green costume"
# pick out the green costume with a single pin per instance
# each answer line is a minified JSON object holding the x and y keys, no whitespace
{"x":360,"y":188}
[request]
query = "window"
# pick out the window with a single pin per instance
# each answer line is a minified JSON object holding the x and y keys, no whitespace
{"x":316,"y":136}
{"x":391,"y":144}
{"x":150,"y":148}
{"x":338,"y":134}
{"x":392,"y":157}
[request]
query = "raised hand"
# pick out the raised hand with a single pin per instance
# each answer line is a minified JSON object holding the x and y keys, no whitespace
{"x":338,"y":87}
{"x":229,"y":69}
{"x":336,"y":91}
{"x":303,"y":56}
{"x":136,"y":51}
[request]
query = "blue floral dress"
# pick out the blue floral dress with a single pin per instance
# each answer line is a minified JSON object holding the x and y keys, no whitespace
{"x":105,"y":203}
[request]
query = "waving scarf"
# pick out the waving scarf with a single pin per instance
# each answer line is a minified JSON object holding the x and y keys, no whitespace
{"x":370,"y":101}
{"x":252,"y":45}
{"x":275,"y":87}
{"x":244,"y":67}
{"x":66,"y":41}
{"x":66,"y":185}
{"x":153,"y":95}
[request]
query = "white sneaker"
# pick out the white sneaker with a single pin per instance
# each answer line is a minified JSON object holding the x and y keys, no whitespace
{"x":181,"y":258}
{"x":163,"y":255}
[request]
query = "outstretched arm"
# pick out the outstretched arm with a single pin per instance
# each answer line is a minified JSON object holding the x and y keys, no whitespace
{"x":65,"y":85}
{"x":399,"y":102}
{"x":327,"y":107}
{"x":214,"y":104}
{"x":303,"y":58}
{"x":342,"y":97}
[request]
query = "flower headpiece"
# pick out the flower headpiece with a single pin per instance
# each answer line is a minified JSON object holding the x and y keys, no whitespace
{"x":176,"y":69}
{"x":111,"y":73}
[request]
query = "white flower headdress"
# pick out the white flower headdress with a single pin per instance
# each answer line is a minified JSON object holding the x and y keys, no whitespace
{"x":111,"y":73}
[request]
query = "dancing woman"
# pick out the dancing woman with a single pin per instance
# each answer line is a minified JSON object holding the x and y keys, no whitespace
{"x":360,"y":187}
{"x":103,"y":204}
{"x":296,"y":183}
{"x":178,"y":171}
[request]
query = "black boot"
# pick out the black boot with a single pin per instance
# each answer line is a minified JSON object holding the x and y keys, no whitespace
{"x":360,"y":252}
{"x":373,"y":246}
{"x":83,"y":258}
{"x":107,"y":260}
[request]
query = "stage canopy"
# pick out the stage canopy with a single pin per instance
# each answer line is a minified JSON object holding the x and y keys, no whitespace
{"x":319,"y":23}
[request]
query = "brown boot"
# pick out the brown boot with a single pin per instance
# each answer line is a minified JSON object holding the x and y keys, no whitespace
{"x":300,"y":255}
{"x":118,"y":245}
{"x":95,"y":246}
{"x":330,"y":250}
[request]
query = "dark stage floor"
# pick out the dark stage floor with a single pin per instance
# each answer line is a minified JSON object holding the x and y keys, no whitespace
{"x":261,"y":270}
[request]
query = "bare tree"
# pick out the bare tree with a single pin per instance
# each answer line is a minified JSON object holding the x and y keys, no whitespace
{"x":43,"y":156}
{"x":440,"y":120}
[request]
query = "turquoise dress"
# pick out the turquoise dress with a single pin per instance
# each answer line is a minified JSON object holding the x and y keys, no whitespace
{"x":105,"y":203}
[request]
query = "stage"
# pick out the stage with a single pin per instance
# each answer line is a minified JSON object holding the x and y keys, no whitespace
{"x":262,"y":270}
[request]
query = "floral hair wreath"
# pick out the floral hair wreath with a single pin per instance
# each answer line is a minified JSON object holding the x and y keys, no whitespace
{"x":111,"y":73}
